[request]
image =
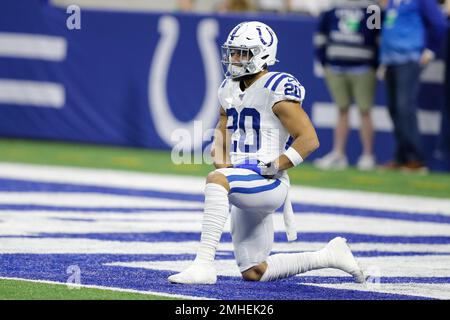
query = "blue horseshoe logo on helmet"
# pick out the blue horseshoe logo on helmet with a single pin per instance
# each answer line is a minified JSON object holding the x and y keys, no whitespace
{"x":262,"y":39}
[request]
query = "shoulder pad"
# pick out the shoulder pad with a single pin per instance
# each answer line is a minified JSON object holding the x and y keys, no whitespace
{"x":285,"y":86}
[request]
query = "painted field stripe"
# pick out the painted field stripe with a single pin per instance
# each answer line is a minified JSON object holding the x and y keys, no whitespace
{"x":22,"y":245}
{"x":431,"y":280}
{"x":382,"y":266}
{"x":279,"y":237}
{"x":32,"y":46}
{"x":422,"y":290}
{"x":91,"y":200}
{"x":42,"y":221}
{"x":32,"y":93}
{"x":298,"y":209}
{"x":32,"y":208}
{"x":382,"y":214}
{"x":173,"y":183}
{"x":8,"y":185}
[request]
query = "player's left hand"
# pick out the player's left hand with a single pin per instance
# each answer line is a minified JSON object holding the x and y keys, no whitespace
{"x":267,"y":170}
{"x":427,"y":57}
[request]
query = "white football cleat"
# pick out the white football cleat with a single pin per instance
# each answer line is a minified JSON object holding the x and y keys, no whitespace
{"x":341,"y":257}
{"x":196,"y":273}
{"x":366,"y":162}
{"x":332,"y":161}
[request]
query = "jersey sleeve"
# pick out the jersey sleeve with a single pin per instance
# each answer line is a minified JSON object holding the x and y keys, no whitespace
{"x":287,"y":87}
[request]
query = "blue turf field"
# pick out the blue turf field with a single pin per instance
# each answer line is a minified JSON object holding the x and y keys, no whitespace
{"x":48,"y":226}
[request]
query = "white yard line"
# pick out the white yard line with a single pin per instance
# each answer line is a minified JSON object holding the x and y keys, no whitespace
{"x":95,"y":246}
{"x":195,"y":185}
{"x":426,"y":290}
{"x":102,"y":177}
{"x":392,"y":266}
{"x":162,"y":294}
{"x":89,"y":200}
{"x":30,"y":223}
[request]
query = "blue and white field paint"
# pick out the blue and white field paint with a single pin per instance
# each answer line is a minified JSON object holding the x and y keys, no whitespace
{"x":131,"y":230}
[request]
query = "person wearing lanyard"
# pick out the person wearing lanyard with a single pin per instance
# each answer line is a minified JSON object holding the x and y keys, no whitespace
{"x":412,"y":34}
{"x":347,"y":49}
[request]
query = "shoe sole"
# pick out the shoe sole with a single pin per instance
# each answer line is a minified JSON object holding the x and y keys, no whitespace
{"x":195,"y":283}
{"x":192,"y":283}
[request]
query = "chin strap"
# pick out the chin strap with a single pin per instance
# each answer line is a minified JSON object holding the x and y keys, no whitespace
{"x":289,"y":219}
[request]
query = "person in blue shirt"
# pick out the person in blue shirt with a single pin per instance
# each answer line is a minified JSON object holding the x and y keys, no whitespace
{"x":347,"y":47}
{"x":412,"y":34}
{"x":442,"y":152}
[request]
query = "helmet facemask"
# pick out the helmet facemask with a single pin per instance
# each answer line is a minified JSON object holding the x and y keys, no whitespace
{"x":250,"y":47}
{"x":240,"y":61}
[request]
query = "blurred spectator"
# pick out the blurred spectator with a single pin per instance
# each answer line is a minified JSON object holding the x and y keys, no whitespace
{"x":412,"y":34}
{"x":443,"y":148}
{"x":312,"y":7}
{"x":347,"y":49}
{"x":235,"y":6}
{"x":275,"y":6}
{"x":186,"y":5}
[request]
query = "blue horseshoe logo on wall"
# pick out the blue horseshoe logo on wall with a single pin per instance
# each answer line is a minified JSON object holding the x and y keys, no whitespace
{"x":166,"y":124}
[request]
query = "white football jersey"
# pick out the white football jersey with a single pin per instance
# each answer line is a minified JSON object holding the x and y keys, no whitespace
{"x":256,"y":132}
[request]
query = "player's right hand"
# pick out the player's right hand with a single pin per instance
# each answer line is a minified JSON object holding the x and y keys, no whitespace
{"x":267,"y":170}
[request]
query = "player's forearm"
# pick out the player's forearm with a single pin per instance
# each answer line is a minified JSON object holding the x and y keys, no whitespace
{"x":304,"y":147}
{"x":284,"y":163}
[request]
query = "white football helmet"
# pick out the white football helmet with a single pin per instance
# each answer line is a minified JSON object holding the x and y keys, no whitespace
{"x":250,"y":47}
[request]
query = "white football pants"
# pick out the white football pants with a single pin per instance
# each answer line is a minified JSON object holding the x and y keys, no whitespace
{"x":253,"y":200}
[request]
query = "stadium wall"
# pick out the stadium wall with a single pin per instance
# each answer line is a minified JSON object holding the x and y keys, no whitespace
{"x":132,"y":78}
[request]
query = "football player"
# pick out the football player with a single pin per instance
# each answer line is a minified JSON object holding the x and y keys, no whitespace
{"x":259,"y":112}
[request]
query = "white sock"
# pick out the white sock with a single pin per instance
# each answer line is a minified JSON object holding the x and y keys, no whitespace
{"x":284,"y":265}
{"x":214,"y":217}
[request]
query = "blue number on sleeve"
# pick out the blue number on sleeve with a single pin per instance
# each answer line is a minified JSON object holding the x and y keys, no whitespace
{"x":292,"y":88}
